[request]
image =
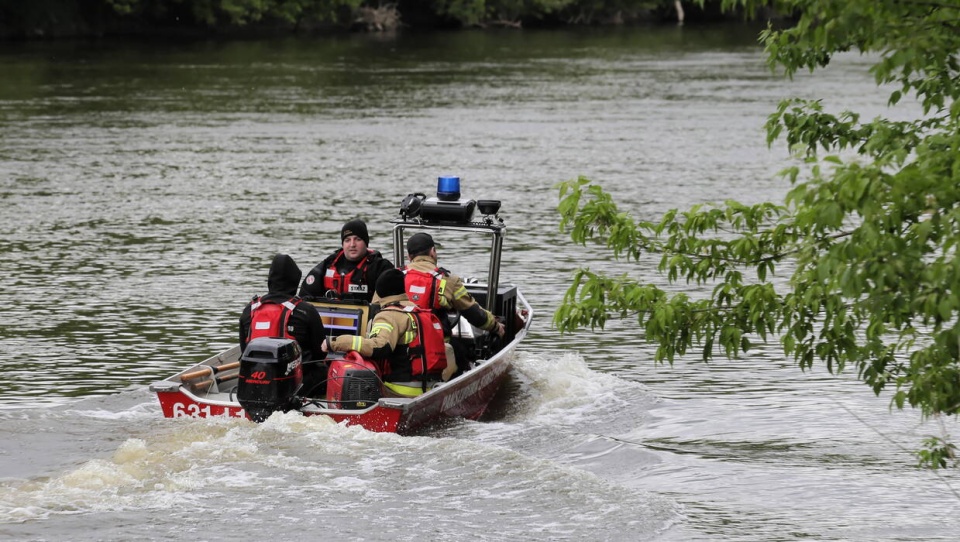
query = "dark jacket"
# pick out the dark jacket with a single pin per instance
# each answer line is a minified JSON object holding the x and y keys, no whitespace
{"x":312,"y":288}
{"x":282,"y":283}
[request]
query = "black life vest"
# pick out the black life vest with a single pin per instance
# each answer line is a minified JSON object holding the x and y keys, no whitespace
{"x":271,"y":318}
{"x":351,"y":283}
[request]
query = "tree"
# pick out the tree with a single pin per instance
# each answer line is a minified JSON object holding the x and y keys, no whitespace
{"x":508,"y":12}
{"x":871,"y":241}
{"x":240,"y":12}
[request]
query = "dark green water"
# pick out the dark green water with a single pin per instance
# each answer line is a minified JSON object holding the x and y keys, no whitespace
{"x":146,"y":185}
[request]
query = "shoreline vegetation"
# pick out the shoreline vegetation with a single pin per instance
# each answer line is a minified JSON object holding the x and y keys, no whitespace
{"x":59,"y":19}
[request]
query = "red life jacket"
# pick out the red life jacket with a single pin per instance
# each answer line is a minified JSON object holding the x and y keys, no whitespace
{"x":351,"y":282}
{"x":427,"y":350}
{"x":271,"y":318}
{"x":424,"y":290}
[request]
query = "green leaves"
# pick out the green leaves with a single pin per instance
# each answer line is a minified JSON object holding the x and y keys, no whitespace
{"x":937,"y":453}
{"x":244,"y":12}
{"x":870,"y":242}
{"x":677,"y":322}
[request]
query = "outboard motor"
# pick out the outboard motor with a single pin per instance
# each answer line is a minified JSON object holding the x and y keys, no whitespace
{"x":353,"y":383}
{"x":270,"y":377}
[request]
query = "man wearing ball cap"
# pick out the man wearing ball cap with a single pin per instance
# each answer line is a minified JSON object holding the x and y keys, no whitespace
{"x":432,"y":287}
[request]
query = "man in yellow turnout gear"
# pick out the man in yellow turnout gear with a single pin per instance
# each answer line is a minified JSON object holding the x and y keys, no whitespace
{"x":435,"y":288}
{"x":407,"y":340}
{"x":451,"y":294}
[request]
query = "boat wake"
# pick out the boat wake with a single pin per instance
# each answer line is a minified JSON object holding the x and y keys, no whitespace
{"x":176,"y":470}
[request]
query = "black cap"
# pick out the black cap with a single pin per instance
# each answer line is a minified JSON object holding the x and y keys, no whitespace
{"x":419,"y":243}
{"x":390,"y":283}
{"x":355,"y":227}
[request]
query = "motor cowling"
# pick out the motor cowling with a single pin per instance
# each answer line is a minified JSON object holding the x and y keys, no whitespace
{"x":353,"y":383}
{"x":270,"y":377}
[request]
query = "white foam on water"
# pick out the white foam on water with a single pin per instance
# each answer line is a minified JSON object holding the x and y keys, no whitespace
{"x":183,"y":466}
{"x":137,"y":412}
{"x":149,"y":473}
{"x":568,"y":391}
{"x":134,"y":478}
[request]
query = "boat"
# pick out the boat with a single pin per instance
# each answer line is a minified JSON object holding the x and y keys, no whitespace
{"x":220,"y":385}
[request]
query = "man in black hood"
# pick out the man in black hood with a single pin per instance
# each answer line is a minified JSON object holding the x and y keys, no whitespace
{"x":280,"y":313}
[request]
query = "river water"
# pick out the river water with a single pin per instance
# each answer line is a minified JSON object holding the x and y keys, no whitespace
{"x":146,"y":185}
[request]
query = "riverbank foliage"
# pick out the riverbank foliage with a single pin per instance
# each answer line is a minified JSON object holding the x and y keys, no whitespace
{"x":869,"y":234}
{"x":59,"y":18}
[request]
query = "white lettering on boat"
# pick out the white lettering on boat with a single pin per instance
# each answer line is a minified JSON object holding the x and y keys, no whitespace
{"x":195,"y":410}
{"x":457,"y":397}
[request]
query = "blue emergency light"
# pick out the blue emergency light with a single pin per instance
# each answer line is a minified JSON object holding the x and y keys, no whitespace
{"x":448,"y":188}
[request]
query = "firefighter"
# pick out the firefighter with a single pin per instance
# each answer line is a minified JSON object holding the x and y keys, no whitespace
{"x":350,"y":272}
{"x":280,"y":313}
{"x":406,"y":340}
{"x":433,"y":287}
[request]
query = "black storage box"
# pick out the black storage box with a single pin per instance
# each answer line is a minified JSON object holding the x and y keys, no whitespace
{"x":505,"y":306}
{"x":458,"y":211}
